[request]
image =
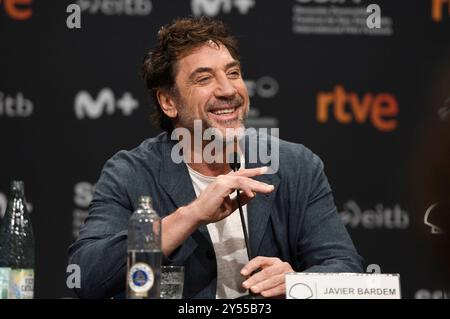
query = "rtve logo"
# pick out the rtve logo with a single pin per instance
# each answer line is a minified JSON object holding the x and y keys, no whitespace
{"x":212,"y":8}
{"x":380,"y":109}
{"x":88,"y":107}
{"x":437,"y":9}
{"x":17,"y":9}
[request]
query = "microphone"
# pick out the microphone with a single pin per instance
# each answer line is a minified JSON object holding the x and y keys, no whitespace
{"x":235,"y":165}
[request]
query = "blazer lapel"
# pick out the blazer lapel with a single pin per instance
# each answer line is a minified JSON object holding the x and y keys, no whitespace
{"x":259,"y":209}
{"x":175,"y":180}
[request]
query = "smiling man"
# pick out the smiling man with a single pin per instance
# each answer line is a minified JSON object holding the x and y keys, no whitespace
{"x":197,"y":95}
{"x":194,"y":76}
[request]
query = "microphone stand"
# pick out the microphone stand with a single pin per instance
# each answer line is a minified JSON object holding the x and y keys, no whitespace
{"x":235,"y":165}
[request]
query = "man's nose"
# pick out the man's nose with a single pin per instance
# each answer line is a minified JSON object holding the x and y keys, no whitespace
{"x":225,"y":88}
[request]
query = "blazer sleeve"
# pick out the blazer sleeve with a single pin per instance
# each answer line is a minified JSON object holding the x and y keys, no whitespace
{"x":323,"y":243}
{"x":100,"y":250}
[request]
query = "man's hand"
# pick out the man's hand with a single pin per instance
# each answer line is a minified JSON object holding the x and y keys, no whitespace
{"x":270,"y":281}
{"x":214,"y":203}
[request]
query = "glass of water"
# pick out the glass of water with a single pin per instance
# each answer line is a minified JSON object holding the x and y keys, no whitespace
{"x":172,"y":281}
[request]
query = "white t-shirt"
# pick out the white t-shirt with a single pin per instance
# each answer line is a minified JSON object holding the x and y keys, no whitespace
{"x":229,"y":244}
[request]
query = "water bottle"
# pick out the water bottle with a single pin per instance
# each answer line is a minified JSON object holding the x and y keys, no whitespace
{"x":16,"y":247}
{"x":144,"y":252}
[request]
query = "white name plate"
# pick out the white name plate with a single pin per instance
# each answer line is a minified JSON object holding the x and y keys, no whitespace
{"x":342,"y":286}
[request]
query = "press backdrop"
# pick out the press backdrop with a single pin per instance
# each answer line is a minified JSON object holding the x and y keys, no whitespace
{"x":363,"y":99}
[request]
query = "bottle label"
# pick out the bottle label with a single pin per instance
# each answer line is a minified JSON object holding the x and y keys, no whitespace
{"x":4,"y":282}
{"x":21,"y":284}
{"x":141,"y":279}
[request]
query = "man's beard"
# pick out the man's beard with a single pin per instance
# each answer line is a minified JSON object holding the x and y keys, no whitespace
{"x":186,"y":119}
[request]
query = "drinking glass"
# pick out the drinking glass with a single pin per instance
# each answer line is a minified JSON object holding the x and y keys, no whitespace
{"x":172,"y":281}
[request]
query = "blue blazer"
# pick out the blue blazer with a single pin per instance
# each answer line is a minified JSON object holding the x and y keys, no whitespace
{"x":297,"y":222}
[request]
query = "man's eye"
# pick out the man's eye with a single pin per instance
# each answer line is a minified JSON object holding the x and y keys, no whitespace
{"x":203,"y":79}
{"x":234,"y":74}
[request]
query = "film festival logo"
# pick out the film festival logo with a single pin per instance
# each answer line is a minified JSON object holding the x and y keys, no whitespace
{"x":86,"y":106}
{"x":15,"y":106}
{"x":194,"y":149}
{"x":213,"y":8}
{"x":338,"y":17}
{"x":301,"y":291}
{"x":18,"y":9}
{"x":440,"y":9}
{"x":381,"y":110}
{"x":431,"y":219}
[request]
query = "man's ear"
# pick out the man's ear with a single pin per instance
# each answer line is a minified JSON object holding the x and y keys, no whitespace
{"x":167,"y":103}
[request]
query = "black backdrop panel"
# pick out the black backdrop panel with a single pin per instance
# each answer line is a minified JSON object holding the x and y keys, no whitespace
{"x":71,"y":98}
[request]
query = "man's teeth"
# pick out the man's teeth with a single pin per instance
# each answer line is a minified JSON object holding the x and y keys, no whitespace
{"x":224,"y":111}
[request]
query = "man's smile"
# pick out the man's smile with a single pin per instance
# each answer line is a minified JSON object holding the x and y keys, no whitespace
{"x":224,"y":114}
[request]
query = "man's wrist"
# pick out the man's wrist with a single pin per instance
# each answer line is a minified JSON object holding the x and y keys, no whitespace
{"x":189,"y":214}
{"x":179,"y":225}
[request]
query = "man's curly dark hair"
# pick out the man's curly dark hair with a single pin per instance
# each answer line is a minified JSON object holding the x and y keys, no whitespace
{"x":175,"y":41}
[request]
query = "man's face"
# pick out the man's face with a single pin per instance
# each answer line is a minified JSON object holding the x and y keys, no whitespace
{"x":211,"y":89}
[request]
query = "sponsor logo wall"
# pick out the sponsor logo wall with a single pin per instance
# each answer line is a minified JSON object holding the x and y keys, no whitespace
{"x":356,"y":96}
